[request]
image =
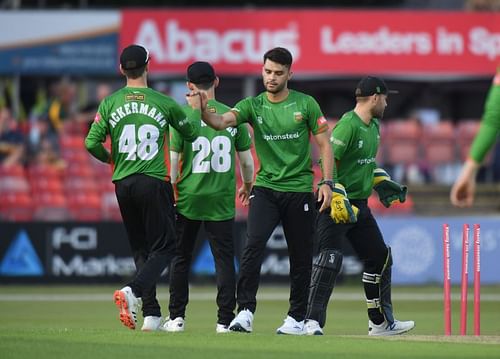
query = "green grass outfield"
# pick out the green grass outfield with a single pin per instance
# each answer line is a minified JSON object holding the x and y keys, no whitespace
{"x":82,"y":322}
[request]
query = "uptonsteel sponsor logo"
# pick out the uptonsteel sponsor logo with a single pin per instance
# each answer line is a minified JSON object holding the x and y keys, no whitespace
{"x":366,"y":161}
{"x":285,"y":136}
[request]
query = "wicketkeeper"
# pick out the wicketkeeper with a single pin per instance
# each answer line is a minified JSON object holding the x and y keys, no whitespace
{"x":355,"y":141}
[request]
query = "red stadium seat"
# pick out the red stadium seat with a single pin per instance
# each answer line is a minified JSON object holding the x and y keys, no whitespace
{"x":72,"y":141}
{"x":13,"y":179}
{"x":16,"y":207}
{"x":50,"y":206}
{"x":84,"y":206}
{"x":109,"y":207}
{"x":439,"y":143}
{"x":402,"y":142}
{"x":43,"y":170}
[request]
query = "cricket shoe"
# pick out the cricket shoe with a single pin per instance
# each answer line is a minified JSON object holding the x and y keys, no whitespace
{"x":128,"y":305}
{"x":222,"y":328}
{"x":242,"y":322}
{"x":173,"y":325}
{"x":311,"y":327}
{"x":291,"y":326}
{"x":384,"y":329}
{"x":151,"y":323}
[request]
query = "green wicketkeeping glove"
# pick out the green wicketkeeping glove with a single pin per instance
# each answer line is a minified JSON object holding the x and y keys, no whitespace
{"x":341,"y":210}
{"x":388,"y":191}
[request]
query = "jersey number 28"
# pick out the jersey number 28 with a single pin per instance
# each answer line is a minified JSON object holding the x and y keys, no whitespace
{"x":220,"y":147}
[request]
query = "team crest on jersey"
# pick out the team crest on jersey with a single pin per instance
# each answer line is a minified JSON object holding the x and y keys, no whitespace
{"x":97,"y":117}
{"x":360,"y":143}
{"x":259,"y":120}
{"x":135,"y":97}
{"x":297,"y":116}
{"x":211,"y":109}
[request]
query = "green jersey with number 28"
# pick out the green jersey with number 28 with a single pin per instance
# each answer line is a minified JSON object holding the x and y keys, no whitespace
{"x":137,"y":120}
{"x":206,"y":186}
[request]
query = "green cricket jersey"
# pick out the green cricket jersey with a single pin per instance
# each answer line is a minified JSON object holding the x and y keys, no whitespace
{"x":137,"y":120}
{"x":206,"y":187}
{"x":490,"y":123}
{"x":281,"y":135}
{"x":355,"y":146}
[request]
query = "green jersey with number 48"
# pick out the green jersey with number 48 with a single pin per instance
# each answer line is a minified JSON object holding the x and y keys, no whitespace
{"x":206,"y":187}
{"x":281,"y":135}
{"x":137,"y":120}
{"x":355,"y":146}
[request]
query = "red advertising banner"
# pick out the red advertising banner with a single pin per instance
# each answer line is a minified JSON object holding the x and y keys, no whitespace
{"x":323,"y":42}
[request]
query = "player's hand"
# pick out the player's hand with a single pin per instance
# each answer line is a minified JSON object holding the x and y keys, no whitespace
{"x":324,"y":196}
{"x":341,"y":210}
{"x":244,"y":193}
{"x":197,"y":100}
{"x":388,"y":191}
{"x":464,"y":188}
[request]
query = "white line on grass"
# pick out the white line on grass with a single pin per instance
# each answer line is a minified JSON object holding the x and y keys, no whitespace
{"x":211,"y":296}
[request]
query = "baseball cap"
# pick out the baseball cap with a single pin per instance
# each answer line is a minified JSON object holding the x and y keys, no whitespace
{"x":200,"y":72}
{"x":371,"y":85}
{"x":133,"y":57}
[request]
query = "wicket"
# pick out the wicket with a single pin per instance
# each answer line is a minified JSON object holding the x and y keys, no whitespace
{"x":465,"y":274}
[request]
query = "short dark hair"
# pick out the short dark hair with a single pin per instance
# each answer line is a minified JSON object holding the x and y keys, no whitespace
{"x":279,"y":55}
{"x":135,"y":73}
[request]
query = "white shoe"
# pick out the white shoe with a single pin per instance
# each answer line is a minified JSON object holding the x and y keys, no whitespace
{"x":151,"y":323}
{"x":291,"y":326}
{"x":173,"y":325}
{"x":221,"y":328}
{"x":311,"y":327}
{"x":398,"y":327}
{"x":242,"y":322}
{"x":128,"y":305}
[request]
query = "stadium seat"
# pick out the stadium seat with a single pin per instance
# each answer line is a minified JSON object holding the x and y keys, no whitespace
{"x":13,"y":179}
{"x":110,"y":211}
{"x":439,"y":143}
{"x":72,"y":141}
{"x":16,"y":207}
{"x":402,"y":142}
{"x":84,"y":206}
{"x":50,"y":206}
{"x":36,"y":171}
{"x":87,"y":185}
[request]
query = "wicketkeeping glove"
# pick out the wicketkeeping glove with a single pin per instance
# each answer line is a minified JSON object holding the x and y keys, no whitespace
{"x":341,"y":210}
{"x":388,"y":191}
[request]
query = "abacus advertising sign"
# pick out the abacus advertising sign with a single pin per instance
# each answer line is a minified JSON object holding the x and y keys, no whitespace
{"x":322,"y":41}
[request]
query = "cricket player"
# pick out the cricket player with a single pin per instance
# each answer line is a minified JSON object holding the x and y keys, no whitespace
{"x":354,"y":141}
{"x":462,"y":192}
{"x":206,"y":190}
{"x":282,"y":120}
{"x":137,"y":119}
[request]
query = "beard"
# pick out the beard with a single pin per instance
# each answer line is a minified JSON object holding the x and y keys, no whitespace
{"x":378,"y":113}
{"x":278,"y":88}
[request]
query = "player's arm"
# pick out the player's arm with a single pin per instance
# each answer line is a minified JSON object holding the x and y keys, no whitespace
{"x":247,"y":172}
{"x":388,"y":190}
{"x":96,"y":137}
{"x":464,"y":188}
{"x":325,"y":150}
{"x":198,"y":101}
{"x":174,"y":165}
